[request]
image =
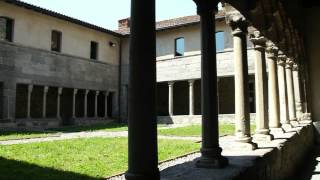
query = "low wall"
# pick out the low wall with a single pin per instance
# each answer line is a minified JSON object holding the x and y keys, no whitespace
{"x":196,"y":119}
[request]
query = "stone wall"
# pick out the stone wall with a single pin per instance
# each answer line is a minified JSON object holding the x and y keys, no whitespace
{"x":25,"y":65}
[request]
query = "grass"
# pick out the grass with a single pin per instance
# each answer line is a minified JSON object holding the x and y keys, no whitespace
{"x":92,"y":158}
{"x":195,"y":130}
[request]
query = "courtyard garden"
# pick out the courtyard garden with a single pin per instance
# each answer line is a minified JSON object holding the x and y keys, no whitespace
{"x":86,"y":158}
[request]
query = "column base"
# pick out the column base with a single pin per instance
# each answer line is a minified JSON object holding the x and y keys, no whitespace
{"x":294,"y":122}
{"x":263,"y":131}
{"x":305,"y":122}
{"x":243,"y":146}
{"x":286,"y":127}
{"x":136,"y":176}
{"x":243,"y":139}
{"x":212,"y":163}
{"x":276,"y":131}
{"x":263,"y":137}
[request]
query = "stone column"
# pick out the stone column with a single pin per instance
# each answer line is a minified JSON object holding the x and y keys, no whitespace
{"x":30,"y":88}
{"x":170,"y":98}
{"x":239,"y":27}
{"x":210,"y":151}
{"x":261,"y":89}
{"x":142,"y":116}
{"x":75,"y":91}
{"x":283,"y":100}
{"x":297,"y":91}
{"x":96,"y":104}
{"x":58,"y":102}
{"x":106,"y":94}
{"x":86,"y":103}
{"x":273,"y":89}
{"x":290,"y":91}
{"x":191,"y":97}
{"x":44,"y":104}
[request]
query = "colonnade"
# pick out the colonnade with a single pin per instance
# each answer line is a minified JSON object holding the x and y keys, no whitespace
{"x":74,"y":99}
{"x":277,"y":97}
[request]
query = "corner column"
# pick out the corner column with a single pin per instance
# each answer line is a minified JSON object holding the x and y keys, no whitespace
{"x":44,"y":104}
{"x":86,"y":103}
{"x":170,"y":105}
{"x":297,"y":91}
{"x":30,"y":88}
{"x":58,"y":102}
{"x":191,"y":97}
{"x":142,"y":117}
{"x":273,"y":101}
{"x":261,"y":89}
{"x":210,"y":151}
{"x":96,"y":104}
{"x":239,"y":27}
{"x":290,"y":91}
{"x":75,"y":91}
{"x":283,"y":100}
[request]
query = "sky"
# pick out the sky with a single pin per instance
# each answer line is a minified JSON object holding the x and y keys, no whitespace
{"x":106,"y":13}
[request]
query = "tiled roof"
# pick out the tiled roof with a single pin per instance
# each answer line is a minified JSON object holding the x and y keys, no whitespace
{"x":176,"y":22}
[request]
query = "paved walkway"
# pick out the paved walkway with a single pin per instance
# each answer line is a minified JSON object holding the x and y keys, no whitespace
{"x":86,"y":134}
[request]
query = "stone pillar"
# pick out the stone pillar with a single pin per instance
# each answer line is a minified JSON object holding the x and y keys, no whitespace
{"x":273,"y":89}
{"x":210,"y":151}
{"x":170,"y":98}
{"x":75,"y":91}
{"x":191,"y":97}
{"x":142,"y":117}
{"x":283,"y":100}
{"x":58,"y":102}
{"x":239,"y":27}
{"x":297,"y":91}
{"x":290,"y":91}
{"x":30,"y":88}
{"x":86,"y":103}
{"x":106,"y":94}
{"x":261,"y":89}
{"x":44,"y":104}
{"x":96,"y":104}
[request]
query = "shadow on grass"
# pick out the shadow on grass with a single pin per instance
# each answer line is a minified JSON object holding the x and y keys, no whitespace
{"x":18,"y":170}
{"x":104,"y":126}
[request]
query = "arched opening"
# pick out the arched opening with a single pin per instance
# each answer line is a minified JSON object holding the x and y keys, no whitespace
{"x":179,"y":47}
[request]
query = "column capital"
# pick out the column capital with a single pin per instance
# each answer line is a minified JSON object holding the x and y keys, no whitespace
{"x":295,"y":67}
{"x":258,"y":40}
{"x":271,"y":50}
{"x":238,"y":23}
{"x":97,"y":93}
{"x":30,"y":87}
{"x":46,"y":89}
{"x":289,"y":63}
{"x":171,"y":83}
{"x":86,"y":91}
{"x":60,"y":90}
{"x":75,"y":91}
{"x":206,"y":6}
{"x":281,"y":59}
{"x":191,"y":81}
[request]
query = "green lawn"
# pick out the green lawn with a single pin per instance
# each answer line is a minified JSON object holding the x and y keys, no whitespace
{"x":92,"y":158}
{"x":195,"y":130}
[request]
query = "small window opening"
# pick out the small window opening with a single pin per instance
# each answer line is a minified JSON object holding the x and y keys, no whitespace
{"x":220,"y":41}
{"x":179,"y":47}
{"x":6,"y":29}
{"x":94,"y":50}
{"x":56,"y":41}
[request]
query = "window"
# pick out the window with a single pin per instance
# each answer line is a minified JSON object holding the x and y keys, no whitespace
{"x":6,"y":29}
{"x":56,"y":41}
{"x":94,"y":50}
{"x":220,"y":41}
{"x":179,"y":47}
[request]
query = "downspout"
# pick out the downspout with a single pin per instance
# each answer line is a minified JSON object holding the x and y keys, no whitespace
{"x":119,"y":82}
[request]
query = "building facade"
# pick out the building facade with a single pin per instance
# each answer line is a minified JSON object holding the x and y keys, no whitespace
{"x":56,"y":70}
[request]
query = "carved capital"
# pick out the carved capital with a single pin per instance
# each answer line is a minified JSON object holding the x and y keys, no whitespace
{"x":258,"y":40}
{"x":295,"y":67}
{"x":60,"y":91}
{"x":30,"y":87}
{"x":206,"y":6}
{"x":75,"y":91}
{"x":238,"y":23}
{"x":45,"y":89}
{"x":97,"y":93}
{"x":271,"y":51}
{"x":281,"y":59}
{"x":171,"y":83}
{"x":289,"y":63}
